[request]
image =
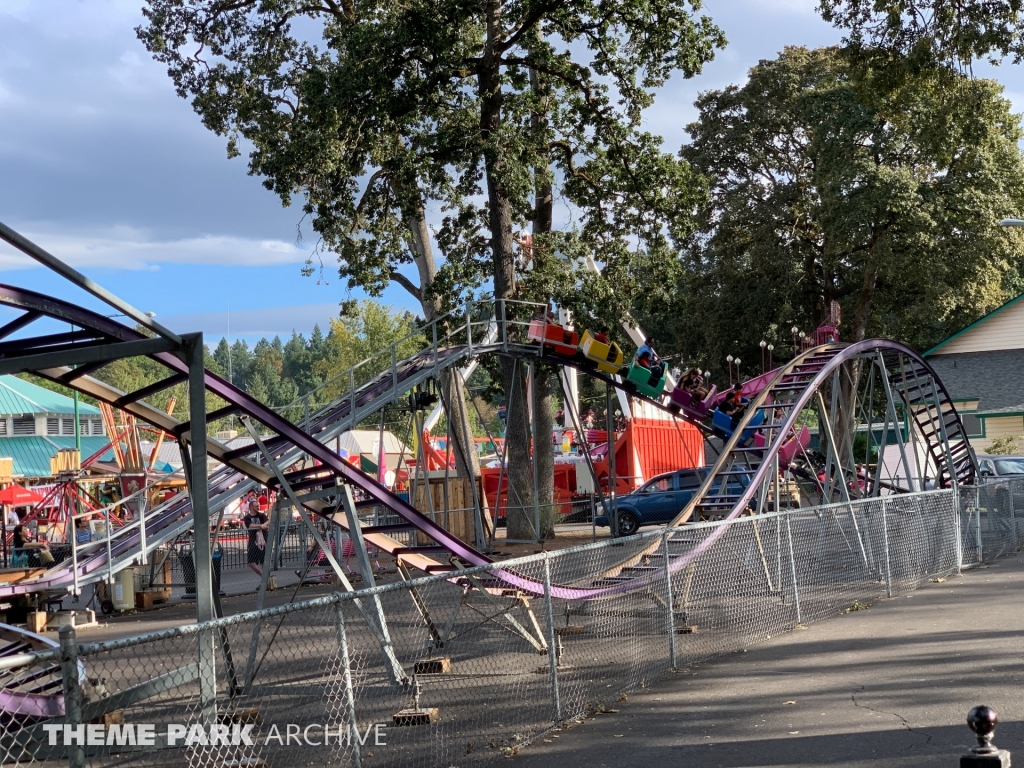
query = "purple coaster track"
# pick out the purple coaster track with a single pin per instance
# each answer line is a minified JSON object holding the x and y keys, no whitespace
{"x":288,"y":436}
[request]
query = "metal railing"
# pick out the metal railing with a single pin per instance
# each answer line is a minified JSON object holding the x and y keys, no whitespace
{"x":490,"y":669}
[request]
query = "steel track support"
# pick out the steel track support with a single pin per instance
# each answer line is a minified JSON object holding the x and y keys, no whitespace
{"x":835,"y":450}
{"x":421,"y":605}
{"x":478,"y":515}
{"x":941,"y":415}
{"x":890,"y":406}
{"x":200,"y":497}
{"x":885,"y":435}
{"x":538,"y":642}
{"x":374,"y":617}
{"x":574,"y":414}
{"x":537,"y":447}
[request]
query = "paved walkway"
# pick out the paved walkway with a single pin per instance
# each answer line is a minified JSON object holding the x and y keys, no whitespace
{"x":887,"y":686}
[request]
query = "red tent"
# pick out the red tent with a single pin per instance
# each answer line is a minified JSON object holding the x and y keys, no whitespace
{"x":17,"y":496}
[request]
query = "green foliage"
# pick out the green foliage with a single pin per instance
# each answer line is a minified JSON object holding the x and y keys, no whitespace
{"x":366,"y":334}
{"x":955,"y":32}
{"x":827,"y":185}
{"x":277,"y":373}
{"x":375,"y":113}
{"x":1006,"y":446}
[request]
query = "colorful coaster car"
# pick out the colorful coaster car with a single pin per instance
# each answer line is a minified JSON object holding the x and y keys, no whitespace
{"x":794,"y":446}
{"x":681,"y":400}
{"x":646,"y":381}
{"x":607,"y":357}
{"x":721,"y":423}
{"x":561,"y":340}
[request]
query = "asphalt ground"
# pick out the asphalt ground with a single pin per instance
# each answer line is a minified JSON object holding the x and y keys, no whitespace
{"x":889,"y":685}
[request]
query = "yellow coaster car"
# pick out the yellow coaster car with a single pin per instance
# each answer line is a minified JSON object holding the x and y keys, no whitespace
{"x":608,"y":357}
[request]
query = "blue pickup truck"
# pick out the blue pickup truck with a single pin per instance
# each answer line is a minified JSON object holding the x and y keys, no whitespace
{"x":663,"y":497}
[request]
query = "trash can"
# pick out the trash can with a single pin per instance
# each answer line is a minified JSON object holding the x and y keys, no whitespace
{"x":217,"y":557}
{"x":124,"y":590}
{"x":188,"y":568}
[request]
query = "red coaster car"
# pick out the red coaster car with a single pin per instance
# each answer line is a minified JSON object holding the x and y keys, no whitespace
{"x":563,"y":341}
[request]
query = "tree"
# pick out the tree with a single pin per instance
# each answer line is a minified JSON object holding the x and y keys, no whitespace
{"x":1005,"y":446}
{"x":365,"y":334}
{"x":403,"y":106}
{"x":825,"y":186}
{"x":953,"y":32}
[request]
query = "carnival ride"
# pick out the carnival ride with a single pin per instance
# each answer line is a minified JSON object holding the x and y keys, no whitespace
{"x":890,"y":373}
{"x":877,"y":390}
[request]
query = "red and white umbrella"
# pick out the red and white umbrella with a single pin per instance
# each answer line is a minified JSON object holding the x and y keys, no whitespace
{"x":17,"y":496}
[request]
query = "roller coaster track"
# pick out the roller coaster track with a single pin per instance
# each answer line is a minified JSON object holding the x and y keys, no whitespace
{"x":243,"y":468}
{"x":801,"y":379}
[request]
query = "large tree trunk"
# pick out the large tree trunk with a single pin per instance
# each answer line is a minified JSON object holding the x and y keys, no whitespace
{"x":454,"y":392}
{"x":542,"y":223}
{"x":844,"y":427}
{"x":517,"y":435}
{"x":543,"y":452}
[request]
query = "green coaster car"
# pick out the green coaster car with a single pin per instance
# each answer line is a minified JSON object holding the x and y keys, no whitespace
{"x":645,"y":381}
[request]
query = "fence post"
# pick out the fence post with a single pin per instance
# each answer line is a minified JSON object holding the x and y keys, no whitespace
{"x":549,"y":612}
{"x":983,"y":720}
{"x":670,"y":611}
{"x":72,"y":692}
{"x":959,"y":528}
{"x":977,"y":529}
{"x":792,"y":568}
{"x":346,"y":675}
{"x":885,"y":539}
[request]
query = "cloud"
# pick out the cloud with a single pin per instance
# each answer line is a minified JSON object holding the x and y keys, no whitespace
{"x":253,"y":323}
{"x":131,"y":249}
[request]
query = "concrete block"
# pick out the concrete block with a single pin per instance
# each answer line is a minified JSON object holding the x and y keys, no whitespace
{"x":408,"y":717}
{"x":439,"y":666}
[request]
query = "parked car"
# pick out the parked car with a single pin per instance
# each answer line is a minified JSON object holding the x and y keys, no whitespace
{"x":663,"y":497}
{"x":1001,"y":466}
{"x":1003,"y":478}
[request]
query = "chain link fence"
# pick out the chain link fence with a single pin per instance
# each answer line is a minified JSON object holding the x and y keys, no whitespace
{"x":466,"y":667}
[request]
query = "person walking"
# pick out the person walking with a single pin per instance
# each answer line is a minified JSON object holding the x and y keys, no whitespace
{"x":257,"y":523}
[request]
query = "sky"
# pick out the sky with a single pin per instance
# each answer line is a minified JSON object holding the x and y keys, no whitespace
{"x":105,"y":166}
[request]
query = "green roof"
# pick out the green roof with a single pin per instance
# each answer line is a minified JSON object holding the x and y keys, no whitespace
{"x":18,"y":396}
{"x":32,"y":454}
{"x":976,"y":323}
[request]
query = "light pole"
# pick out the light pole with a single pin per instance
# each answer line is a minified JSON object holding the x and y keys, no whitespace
{"x":801,"y":336}
{"x":728,"y":359}
{"x":736,"y":360}
{"x":794,"y":331}
{"x":763,"y":345}
{"x":771,"y":348}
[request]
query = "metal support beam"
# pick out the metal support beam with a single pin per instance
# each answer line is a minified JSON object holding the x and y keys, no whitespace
{"x":20,"y":322}
{"x":891,"y":412}
{"x":86,"y":355}
{"x":151,"y":389}
{"x":374,"y":617}
{"x":200,"y":497}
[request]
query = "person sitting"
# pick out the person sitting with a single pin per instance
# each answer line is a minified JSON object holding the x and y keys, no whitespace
{"x":646,"y":357}
{"x":82,"y":533}
{"x":693,"y":383}
{"x":34,"y":552}
{"x":545,"y":314}
{"x":601,"y":335}
{"x":735,"y":404}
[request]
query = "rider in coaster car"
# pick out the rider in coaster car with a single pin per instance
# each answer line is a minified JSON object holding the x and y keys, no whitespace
{"x":646,"y":357}
{"x":735,"y":404}
{"x":693,"y":383}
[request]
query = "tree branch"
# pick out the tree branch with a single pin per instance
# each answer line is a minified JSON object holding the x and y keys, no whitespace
{"x":406,"y":283}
